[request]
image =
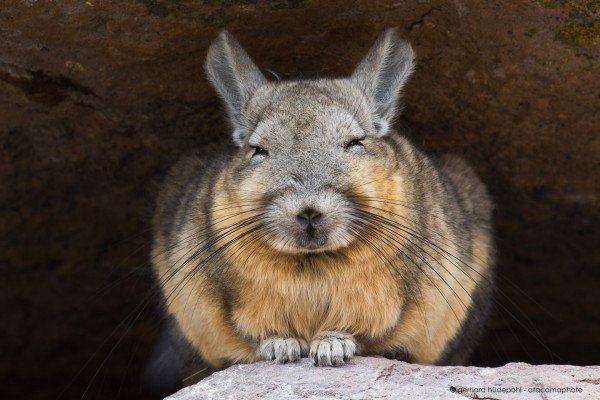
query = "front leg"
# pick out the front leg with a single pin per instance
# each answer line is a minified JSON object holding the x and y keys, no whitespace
{"x":282,"y":350}
{"x":332,"y":348}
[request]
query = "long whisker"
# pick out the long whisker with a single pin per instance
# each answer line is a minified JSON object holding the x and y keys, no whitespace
{"x":460,"y":246}
{"x":440,"y":250}
{"x":392,"y":244}
{"x":196,"y":217}
{"x":136,"y":314}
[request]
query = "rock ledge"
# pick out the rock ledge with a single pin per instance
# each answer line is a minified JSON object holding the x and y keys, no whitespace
{"x":380,"y":378}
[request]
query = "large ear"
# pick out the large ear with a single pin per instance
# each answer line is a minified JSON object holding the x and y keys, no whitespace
{"x":382,"y":75}
{"x":235,"y":77}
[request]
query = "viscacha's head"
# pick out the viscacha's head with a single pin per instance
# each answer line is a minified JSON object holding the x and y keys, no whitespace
{"x":308,"y":149}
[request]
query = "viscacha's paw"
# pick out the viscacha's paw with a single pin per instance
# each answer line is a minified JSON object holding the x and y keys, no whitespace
{"x":282,"y":350}
{"x":332,"y":349}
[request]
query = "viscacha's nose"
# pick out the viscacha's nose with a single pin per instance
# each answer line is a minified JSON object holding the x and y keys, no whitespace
{"x":308,"y":218}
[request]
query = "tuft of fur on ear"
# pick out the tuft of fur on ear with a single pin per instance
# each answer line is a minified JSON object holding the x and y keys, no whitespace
{"x":235,"y":77}
{"x":382,"y":74}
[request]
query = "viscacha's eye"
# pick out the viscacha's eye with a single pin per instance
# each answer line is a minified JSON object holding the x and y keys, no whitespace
{"x":354,"y":143}
{"x":259,"y":151}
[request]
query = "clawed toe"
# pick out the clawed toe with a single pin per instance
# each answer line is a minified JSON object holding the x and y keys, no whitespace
{"x":283,"y":350}
{"x":332,"y":349}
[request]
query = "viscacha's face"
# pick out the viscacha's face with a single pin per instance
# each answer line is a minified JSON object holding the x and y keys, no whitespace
{"x":309,"y":157}
{"x":311,"y":151}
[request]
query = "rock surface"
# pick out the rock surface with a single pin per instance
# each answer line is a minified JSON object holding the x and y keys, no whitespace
{"x":380,"y":378}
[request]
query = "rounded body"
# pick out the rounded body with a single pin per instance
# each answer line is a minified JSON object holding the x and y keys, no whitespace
{"x":418,"y":285}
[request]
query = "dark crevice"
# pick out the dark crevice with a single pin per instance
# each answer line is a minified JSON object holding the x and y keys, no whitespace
{"x":43,"y":88}
{"x":386,"y":372}
{"x":420,"y":21}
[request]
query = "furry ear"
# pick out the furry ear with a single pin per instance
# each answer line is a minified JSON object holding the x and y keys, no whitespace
{"x":235,"y":77}
{"x":382,"y":75}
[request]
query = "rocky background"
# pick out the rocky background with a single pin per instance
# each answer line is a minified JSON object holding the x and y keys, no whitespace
{"x":99,"y":97}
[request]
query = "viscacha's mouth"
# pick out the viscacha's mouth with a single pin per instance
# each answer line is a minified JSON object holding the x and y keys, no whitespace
{"x":312,"y":243}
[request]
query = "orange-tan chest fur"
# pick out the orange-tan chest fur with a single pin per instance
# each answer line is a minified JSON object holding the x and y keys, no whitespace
{"x":358,"y":298}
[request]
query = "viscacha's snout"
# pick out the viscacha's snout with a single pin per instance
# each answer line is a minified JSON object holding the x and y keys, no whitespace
{"x":309,"y":219}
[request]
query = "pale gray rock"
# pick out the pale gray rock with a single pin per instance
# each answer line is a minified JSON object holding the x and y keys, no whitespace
{"x":380,"y":378}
